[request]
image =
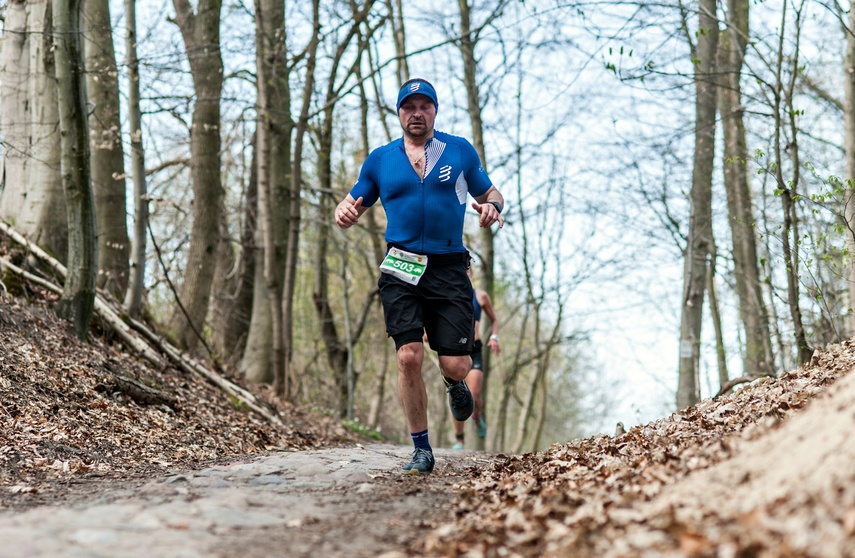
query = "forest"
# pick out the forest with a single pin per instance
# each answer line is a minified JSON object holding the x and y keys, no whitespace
{"x":677,"y":178}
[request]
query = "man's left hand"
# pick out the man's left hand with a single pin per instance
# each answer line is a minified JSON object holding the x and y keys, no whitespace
{"x":493,"y":344}
{"x":489,"y":214}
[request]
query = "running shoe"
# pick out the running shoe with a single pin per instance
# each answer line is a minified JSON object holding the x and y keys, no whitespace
{"x":480,"y":427}
{"x":457,"y":446}
{"x":460,"y":400}
{"x":422,"y":463}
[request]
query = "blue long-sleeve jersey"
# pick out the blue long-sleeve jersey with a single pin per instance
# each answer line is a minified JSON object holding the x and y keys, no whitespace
{"x":423,"y":216}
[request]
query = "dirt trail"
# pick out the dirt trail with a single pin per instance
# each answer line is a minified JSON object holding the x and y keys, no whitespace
{"x":348,"y":501}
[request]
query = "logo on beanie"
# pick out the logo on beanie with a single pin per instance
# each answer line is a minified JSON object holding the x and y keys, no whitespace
{"x":417,"y":87}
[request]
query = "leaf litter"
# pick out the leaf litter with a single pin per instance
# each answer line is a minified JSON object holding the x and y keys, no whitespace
{"x":763,"y":471}
{"x":757,"y":472}
{"x":67,"y":417}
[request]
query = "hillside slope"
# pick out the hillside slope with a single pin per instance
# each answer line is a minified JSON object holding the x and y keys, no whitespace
{"x":765,"y":471}
{"x":74,"y":412}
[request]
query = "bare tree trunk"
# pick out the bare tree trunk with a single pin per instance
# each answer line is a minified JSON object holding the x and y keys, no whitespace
{"x":201,"y":33}
{"x":769,"y":295}
{"x":256,"y":365}
{"x":849,"y":116}
{"x":540,"y":419}
{"x":338,"y":350}
{"x":375,"y":234}
{"x":281,"y":380}
{"x":544,"y":348}
{"x":259,"y":357}
{"x":78,"y":296}
{"x":783,"y":94}
{"x":715,"y":313}
{"x":541,"y":366}
{"x":757,"y":359}
{"x":108,"y":161}
{"x":268,"y":22}
{"x":350,"y":374}
{"x":396,"y":11}
{"x":33,"y":197}
{"x":699,"y":242}
{"x":233,"y":280}
{"x":508,"y":386}
{"x":232,"y":292}
{"x":468,"y":41}
{"x":136,"y":285}
{"x":509,"y":381}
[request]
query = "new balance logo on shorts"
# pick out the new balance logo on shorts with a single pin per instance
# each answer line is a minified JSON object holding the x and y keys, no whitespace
{"x":462,"y":340}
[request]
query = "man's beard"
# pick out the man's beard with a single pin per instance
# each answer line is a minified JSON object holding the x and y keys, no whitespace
{"x":417,"y":129}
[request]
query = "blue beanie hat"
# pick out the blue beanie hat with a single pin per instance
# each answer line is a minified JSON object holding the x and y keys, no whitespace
{"x":417,"y":86}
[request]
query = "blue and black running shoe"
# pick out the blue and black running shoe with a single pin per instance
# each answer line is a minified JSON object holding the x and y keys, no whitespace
{"x":422,"y":463}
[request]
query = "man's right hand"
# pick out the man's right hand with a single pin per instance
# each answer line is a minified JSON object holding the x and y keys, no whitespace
{"x":348,"y":211}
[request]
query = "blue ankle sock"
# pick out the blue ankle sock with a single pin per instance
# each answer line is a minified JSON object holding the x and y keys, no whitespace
{"x":420,"y":440}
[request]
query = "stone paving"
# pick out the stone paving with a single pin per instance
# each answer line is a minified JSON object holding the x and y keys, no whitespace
{"x":187,"y":515}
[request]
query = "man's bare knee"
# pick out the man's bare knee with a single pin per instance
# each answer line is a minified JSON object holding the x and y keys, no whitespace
{"x":455,"y":367}
{"x":410,"y":356}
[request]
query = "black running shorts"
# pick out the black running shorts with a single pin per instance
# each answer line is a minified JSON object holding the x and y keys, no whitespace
{"x":477,"y":355}
{"x":440,"y":305}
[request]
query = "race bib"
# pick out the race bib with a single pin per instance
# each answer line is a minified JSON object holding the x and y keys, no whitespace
{"x":404,"y":265}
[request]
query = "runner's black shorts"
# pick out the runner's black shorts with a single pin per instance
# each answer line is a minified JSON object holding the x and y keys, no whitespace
{"x":477,"y":356}
{"x":440,"y":305}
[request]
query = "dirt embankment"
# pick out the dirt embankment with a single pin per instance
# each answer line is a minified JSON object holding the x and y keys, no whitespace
{"x":765,"y":471}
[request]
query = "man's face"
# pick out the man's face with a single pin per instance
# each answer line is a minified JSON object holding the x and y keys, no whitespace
{"x":417,"y":114}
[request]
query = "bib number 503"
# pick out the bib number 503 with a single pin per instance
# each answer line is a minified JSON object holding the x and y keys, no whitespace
{"x":404,"y":266}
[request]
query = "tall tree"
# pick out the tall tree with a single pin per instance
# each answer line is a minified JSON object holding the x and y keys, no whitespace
{"x":715,"y":314}
{"x":469,"y":38}
{"x":33,"y":198}
{"x":786,"y":140}
{"x":338,"y":349}
{"x":281,"y":382}
{"x":108,"y":166}
{"x":396,"y":19}
{"x":78,"y":295}
{"x":136,"y":283}
{"x":849,"y":138}
{"x":699,"y":241}
{"x":269,"y":21}
{"x":263,"y":353}
{"x":201,"y":33}
{"x":757,"y":358}
{"x":544,"y":345}
{"x":233,"y":276}
{"x":378,"y":246}
{"x":231,"y":295}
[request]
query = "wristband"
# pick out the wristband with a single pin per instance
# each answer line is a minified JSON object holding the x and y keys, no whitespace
{"x":496,"y":205}
{"x":494,"y":337}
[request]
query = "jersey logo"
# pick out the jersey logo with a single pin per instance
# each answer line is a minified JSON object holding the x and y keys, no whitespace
{"x":444,"y":173}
